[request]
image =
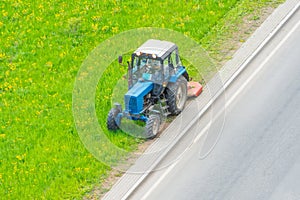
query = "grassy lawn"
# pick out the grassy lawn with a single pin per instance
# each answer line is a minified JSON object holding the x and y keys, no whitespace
{"x":42,"y":46}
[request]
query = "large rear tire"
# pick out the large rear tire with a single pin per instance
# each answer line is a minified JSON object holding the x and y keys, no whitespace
{"x":111,"y":119}
{"x":152,"y":126}
{"x":176,"y":94}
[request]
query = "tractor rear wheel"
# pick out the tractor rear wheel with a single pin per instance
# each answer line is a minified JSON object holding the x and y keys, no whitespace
{"x":111,"y":119}
{"x":176,"y":95}
{"x":152,"y":126}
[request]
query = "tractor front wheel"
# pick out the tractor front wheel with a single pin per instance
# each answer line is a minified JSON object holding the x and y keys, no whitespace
{"x":152,"y":126}
{"x":111,"y":122}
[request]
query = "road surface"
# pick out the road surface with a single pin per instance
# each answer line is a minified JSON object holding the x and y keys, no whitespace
{"x":258,"y":153}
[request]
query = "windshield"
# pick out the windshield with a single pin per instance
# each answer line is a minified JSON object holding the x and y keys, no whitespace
{"x":148,"y":69}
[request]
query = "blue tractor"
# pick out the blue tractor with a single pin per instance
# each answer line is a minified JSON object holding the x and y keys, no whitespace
{"x":157,"y":87}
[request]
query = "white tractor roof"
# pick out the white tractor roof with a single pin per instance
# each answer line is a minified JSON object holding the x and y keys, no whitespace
{"x":158,"y":47}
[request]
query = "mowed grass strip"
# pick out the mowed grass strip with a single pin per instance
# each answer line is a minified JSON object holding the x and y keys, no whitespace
{"x":42,"y":46}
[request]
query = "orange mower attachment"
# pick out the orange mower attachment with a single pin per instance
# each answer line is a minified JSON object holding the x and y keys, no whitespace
{"x":194,"y":89}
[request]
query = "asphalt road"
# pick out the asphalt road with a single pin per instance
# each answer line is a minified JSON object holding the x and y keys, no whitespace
{"x":258,"y":153}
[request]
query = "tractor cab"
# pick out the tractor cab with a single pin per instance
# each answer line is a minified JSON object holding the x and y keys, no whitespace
{"x":154,"y":61}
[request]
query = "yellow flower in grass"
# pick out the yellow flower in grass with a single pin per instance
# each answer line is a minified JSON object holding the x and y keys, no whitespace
{"x":115,"y":29}
{"x":2,"y":55}
{"x":4,"y":13}
{"x":95,"y":27}
{"x":49,"y":64}
{"x":96,"y":18}
{"x":105,"y":28}
{"x":25,"y":11}
{"x":211,"y":12}
{"x":12,"y":66}
{"x":62,"y":54}
{"x":19,"y":157}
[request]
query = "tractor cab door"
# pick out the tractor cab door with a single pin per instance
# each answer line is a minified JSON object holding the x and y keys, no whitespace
{"x":166,"y":69}
{"x":138,"y":66}
{"x":171,"y":63}
{"x":175,"y":59}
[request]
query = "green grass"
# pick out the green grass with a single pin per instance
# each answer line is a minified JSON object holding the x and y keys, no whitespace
{"x":42,"y":46}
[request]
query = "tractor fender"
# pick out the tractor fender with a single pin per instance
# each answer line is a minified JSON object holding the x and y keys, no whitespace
{"x":180,"y":71}
{"x":119,"y":117}
{"x":118,"y":106}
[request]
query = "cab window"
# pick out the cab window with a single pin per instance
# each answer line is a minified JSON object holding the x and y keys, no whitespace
{"x":166,"y":68}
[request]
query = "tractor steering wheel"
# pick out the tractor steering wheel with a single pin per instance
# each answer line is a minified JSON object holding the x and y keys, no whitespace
{"x":148,"y":68}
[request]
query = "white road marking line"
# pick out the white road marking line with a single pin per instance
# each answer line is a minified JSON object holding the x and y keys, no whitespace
{"x":226,"y":105}
{"x":262,"y":64}
{"x":206,"y":128}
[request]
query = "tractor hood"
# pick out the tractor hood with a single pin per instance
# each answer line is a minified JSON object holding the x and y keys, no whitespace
{"x":134,"y":98}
